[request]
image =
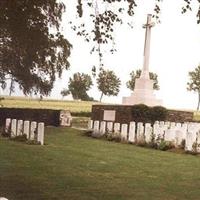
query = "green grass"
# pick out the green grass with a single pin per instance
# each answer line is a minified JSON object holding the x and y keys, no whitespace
{"x":72,"y":166}
{"x":22,"y":102}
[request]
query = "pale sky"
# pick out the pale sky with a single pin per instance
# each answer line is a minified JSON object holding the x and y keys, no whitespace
{"x":175,"y":50}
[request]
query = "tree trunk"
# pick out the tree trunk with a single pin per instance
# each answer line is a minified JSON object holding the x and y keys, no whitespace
{"x":101,"y":96}
{"x":198,"y":101}
{"x":11,"y":87}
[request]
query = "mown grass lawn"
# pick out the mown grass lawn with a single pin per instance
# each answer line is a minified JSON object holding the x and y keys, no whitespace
{"x":74,"y":166}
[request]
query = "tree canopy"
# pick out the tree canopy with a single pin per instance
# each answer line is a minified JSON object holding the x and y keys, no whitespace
{"x":32,"y":49}
{"x":194,"y":83}
{"x":108,"y":83}
{"x":78,"y":86}
{"x":133,"y":75}
{"x":104,"y":15}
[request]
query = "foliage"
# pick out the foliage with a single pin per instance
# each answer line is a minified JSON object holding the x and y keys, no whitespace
{"x":134,"y":75}
{"x":144,"y":113}
{"x":65,"y":92}
{"x":78,"y":86}
{"x":32,"y":51}
{"x":106,"y":15}
{"x":108,"y":83}
{"x":164,"y":145}
{"x":182,"y":146}
{"x":194,"y":83}
{"x":33,"y":142}
{"x":20,"y":138}
{"x":158,"y":113}
{"x":112,"y":136}
{"x":140,"y":113}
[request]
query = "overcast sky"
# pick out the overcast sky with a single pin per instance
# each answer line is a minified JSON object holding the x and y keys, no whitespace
{"x":175,"y":50}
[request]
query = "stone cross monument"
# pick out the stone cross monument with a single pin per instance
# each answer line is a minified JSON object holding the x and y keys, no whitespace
{"x":143,"y":92}
{"x":147,"y":26}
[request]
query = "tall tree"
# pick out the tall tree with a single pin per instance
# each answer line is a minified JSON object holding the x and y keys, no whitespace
{"x":194,"y":83}
{"x":32,"y":49}
{"x":108,"y":83}
{"x":131,"y":83}
{"x":78,"y":86}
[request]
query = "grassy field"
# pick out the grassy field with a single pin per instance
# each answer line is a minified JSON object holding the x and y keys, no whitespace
{"x":22,"y":102}
{"x":76,"y":167}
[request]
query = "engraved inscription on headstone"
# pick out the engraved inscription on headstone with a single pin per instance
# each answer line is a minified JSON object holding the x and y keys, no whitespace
{"x":109,"y":115}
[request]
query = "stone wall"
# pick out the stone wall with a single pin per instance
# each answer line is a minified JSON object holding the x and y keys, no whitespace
{"x":124,"y":114}
{"x":49,"y":117}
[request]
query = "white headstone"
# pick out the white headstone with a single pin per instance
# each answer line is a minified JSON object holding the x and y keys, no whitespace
{"x":140,"y":132}
{"x":167,"y":124}
{"x":19,"y":127}
{"x":131,"y":135}
{"x":162,"y":123}
{"x":124,"y":132}
{"x":8,"y":125}
{"x":26,"y":130}
{"x":170,"y":135}
{"x":96,"y":128}
{"x":190,"y":140}
{"x":102,"y":128}
{"x":178,"y":137}
{"x":110,"y":127}
{"x":184,"y":131}
{"x":109,"y":115}
{"x":116,"y":127}
{"x":14,"y":128}
{"x":158,"y":132}
{"x":172,"y":124}
{"x":33,"y":130}
{"x":90,"y":124}
{"x":148,"y":132}
{"x":178,"y":125}
{"x":65,"y":118}
{"x":40,"y":133}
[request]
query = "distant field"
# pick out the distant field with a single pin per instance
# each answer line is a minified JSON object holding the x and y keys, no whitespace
{"x":73,"y":106}
{"x":22,"y":102}
{"x":196,"y":115}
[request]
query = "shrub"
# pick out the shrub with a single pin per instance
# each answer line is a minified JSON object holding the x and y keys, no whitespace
{"x":6,"y":134}
{"x":33,"y":142}
{"x":88,"y":133}
{"x":20,"y":138}
{"x":158,"y":113}
{"x":182,"y":146}
{"x":140,"y":113}
{"x":164,"y":145}
{"x":143,"y":113}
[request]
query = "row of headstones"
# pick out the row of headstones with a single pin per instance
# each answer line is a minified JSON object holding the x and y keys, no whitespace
{"x":32,"y":130}
{"x":139,"y":132}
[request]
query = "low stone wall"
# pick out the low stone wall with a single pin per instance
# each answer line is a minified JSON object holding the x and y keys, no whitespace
{"x":185,"y":135}
{"x":48,"y":116}
{"x":123,"y":114}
